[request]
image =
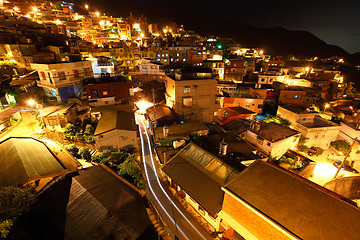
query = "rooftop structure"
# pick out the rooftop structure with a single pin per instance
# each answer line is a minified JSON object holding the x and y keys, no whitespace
{"x":26,"y":159}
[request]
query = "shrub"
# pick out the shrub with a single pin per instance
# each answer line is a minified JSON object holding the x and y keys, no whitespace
{"x":341,"y":145}
{"x":277,"y":119}
{"x":84,"y":152}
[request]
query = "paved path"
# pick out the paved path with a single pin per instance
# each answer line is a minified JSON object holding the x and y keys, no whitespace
{"x":178,"y":221}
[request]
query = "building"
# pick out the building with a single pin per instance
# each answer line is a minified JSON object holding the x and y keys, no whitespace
{"x":166,"y":135}
{"x":272,"y":138}
{"x":317,"y":131}
{"x":63,"y":80}
{"x":26,"y":160}
{"x":104,"y":87}
{"x":102,"y":66}
{"x":267,"y":202}
{"x":116,"y":129}
{"x":56,"y":117}
{"x":242,"y":98}
{"x":217,"y":66}
{"x":89,"y":204}
{"x":228,"y":114}
{"x":199,"y":180}
{"x":191,"y":93}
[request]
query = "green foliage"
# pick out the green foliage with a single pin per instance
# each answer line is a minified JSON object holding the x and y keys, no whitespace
{"x":124,"y":163}
{"x":12,"y":121}
{"x":14,"y":202}
{"x":84,"y":152}
{"x":303,"y":148}
{"x":5,"y":227}
{"x":81,"y":131}
{"x":131,"y":171}
{"x":302,"y":141}
{"x":277,"y":119}
{"x":7,"y":70}
{"x":341,"y":145}
{"x":89,"y":129}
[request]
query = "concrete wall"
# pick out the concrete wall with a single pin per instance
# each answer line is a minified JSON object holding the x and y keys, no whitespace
{"x":116,"y":139}
{"x":318,"y":137}
{"x":202,"y":94}
{"x":276,"y":149}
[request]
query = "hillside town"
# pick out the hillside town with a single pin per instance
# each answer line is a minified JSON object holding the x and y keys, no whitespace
{"x":121,"y":128}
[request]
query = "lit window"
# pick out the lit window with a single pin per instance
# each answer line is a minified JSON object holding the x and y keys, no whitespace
{"x":187,"y":102}
{"x":187,"y":89}
{"x":247,"y":105}
{"x":296,"y":96}
{"x":105,"y":93}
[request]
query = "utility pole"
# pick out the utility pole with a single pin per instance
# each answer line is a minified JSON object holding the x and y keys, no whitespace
{"x":346,"y":156}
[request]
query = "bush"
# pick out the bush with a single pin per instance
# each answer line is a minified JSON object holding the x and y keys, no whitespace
{"x":277,"y":119}
{"x":15,"y":202}
{"x":84,"y":152}
{"x":303,"y":148}
{"x":341,"y":145}
{"x":73,"y":150}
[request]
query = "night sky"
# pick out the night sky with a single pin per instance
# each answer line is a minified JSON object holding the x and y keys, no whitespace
{"x":335,"y":22}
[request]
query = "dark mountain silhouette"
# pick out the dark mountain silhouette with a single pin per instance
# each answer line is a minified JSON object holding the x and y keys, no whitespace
{"x":274,"y":40}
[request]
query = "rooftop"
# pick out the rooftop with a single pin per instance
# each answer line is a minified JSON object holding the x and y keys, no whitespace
{"x":318,"y":122}
{"x":25,"y":158}
{"x":297,"y":205}
{"x":181,"y":130}
{"x":115,"y":119}
{"x":201,"y":175}
{"x":298,"y":109}
{"x":79,"y":206}
{"x":274,"y":132}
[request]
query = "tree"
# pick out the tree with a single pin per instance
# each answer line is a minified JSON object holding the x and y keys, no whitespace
{"x":89,"y":129}
{"x":84,"y":152}
{"x":14,"y":202}
{"x":69,"y":130}
{"x":7,"y":70}
{"x":341,"y":145}
{"x":5,"y":227}
{"x":277,"y":119}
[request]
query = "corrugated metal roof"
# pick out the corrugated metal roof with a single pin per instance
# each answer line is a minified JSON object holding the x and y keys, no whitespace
{"x":111,"y":120}
{"x":22,"y":158}
{"x":299,"y":206}
{"x":201,"y":175}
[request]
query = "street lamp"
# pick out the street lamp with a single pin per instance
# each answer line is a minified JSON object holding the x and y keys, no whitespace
{"x":86,"y":6}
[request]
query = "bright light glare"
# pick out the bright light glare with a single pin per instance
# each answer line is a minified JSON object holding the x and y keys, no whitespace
{"x":143,"y":105}
{"x":31,"y":102}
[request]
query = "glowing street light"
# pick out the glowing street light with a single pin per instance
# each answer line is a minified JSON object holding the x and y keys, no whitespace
{"x":86,"y":6}
{"x":16,"y":9}
{"x":97,"y":14}
{"x":35,"y":9}
{"x":31,"y":102}
{"x":143,"y":105}
{"x":58,"y":22}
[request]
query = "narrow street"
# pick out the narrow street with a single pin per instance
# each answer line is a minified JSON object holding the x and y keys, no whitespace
{"x":179,"y":222}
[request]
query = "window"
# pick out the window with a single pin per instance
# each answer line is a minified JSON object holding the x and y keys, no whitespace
{"x":88,"y":72}
{"x":269,"y":144}
{"x":316,"y":135}
{"x":296,"y":96}
{"x":238,"y":104}
{"x":105,"y":93}
{"x":106,"y":102}
{"x":260,"y":106}
{"x":62,"y":75}
{"x":94,"y":93}
{"x":247,"y":105}
{"x":187,"y":89}
{"x":263,"y":79}
{"x":187,"y":102}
